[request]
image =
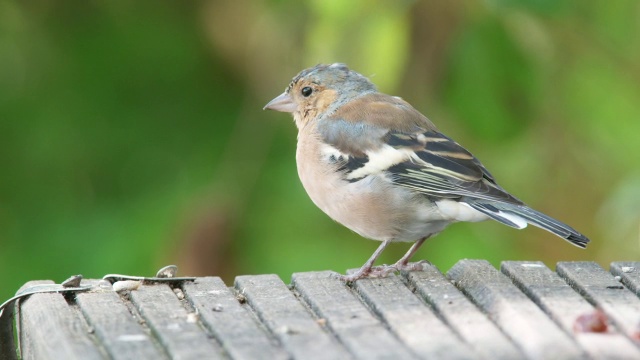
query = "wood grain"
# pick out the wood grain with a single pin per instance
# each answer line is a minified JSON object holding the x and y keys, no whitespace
{"x":519,"y":318}
{"x":566,"y":307}
{"x":601,"y":289}
{"x":231,"y":321}
{"x":466,"y":319}
{"x":288,"y":319}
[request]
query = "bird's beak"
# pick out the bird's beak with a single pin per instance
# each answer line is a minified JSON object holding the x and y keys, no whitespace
{"x":283,"y":103}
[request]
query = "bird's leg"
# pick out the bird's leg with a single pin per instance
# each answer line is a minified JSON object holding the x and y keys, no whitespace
{"x":403,"y":264}
{"x":365,"y":270}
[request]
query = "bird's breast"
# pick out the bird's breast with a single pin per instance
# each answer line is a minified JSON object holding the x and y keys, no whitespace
{"x":372,"y":206}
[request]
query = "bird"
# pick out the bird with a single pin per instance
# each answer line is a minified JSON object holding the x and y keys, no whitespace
{"x":378,"y":166}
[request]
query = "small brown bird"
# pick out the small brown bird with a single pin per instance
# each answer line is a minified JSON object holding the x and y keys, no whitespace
{"x":379,"y":167}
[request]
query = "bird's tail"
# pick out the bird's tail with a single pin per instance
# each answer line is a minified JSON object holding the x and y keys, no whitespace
{"x":518,"y":216}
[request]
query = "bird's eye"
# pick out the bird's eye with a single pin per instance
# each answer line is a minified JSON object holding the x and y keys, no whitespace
{"x":306,"y":91}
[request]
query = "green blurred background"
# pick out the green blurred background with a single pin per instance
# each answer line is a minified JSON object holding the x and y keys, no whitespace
{"x":132,"y":133}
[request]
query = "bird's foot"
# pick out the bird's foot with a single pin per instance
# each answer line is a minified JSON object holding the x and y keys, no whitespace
{"x":361,"y":273}
{"x":367,"y":272}
{"x":383,"y":270}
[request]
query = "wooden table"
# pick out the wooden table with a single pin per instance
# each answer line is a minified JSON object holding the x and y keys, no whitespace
{"x":523,"y":310}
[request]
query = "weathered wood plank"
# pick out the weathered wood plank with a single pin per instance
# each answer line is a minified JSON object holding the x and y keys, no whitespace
{"x":8,"y":347}
{"x":556,"y":298}
{"x":363,"y":334}
{"x":472,"y":325}
{"x":288,"y":319}
{"x":629,"y":272}
{"x":51,"y":329}
{"x":601,"y":289}
{"x":413,"y":321}
{"x":235,"y":327}
{"x":513,"y":312}
{"x":420,"y":314}
{"x":172,"y":325}
{"x":118,"y":330}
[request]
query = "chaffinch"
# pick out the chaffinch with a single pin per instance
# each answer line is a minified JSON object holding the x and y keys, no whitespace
{"x":376,"y":165}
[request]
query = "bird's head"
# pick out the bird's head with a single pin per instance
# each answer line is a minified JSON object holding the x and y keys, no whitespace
{"x":320,"y":90}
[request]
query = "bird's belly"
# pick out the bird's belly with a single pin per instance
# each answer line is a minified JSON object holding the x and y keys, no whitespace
{"x":372,"y":207}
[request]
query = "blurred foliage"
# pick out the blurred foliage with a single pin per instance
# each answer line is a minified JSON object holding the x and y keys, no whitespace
{"x":132,"y":135}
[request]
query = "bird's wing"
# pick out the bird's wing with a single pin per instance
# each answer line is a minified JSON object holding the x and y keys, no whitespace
{"x":381,"y":134}
{"x":440,"y":167}
{"x":444,"y":169}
